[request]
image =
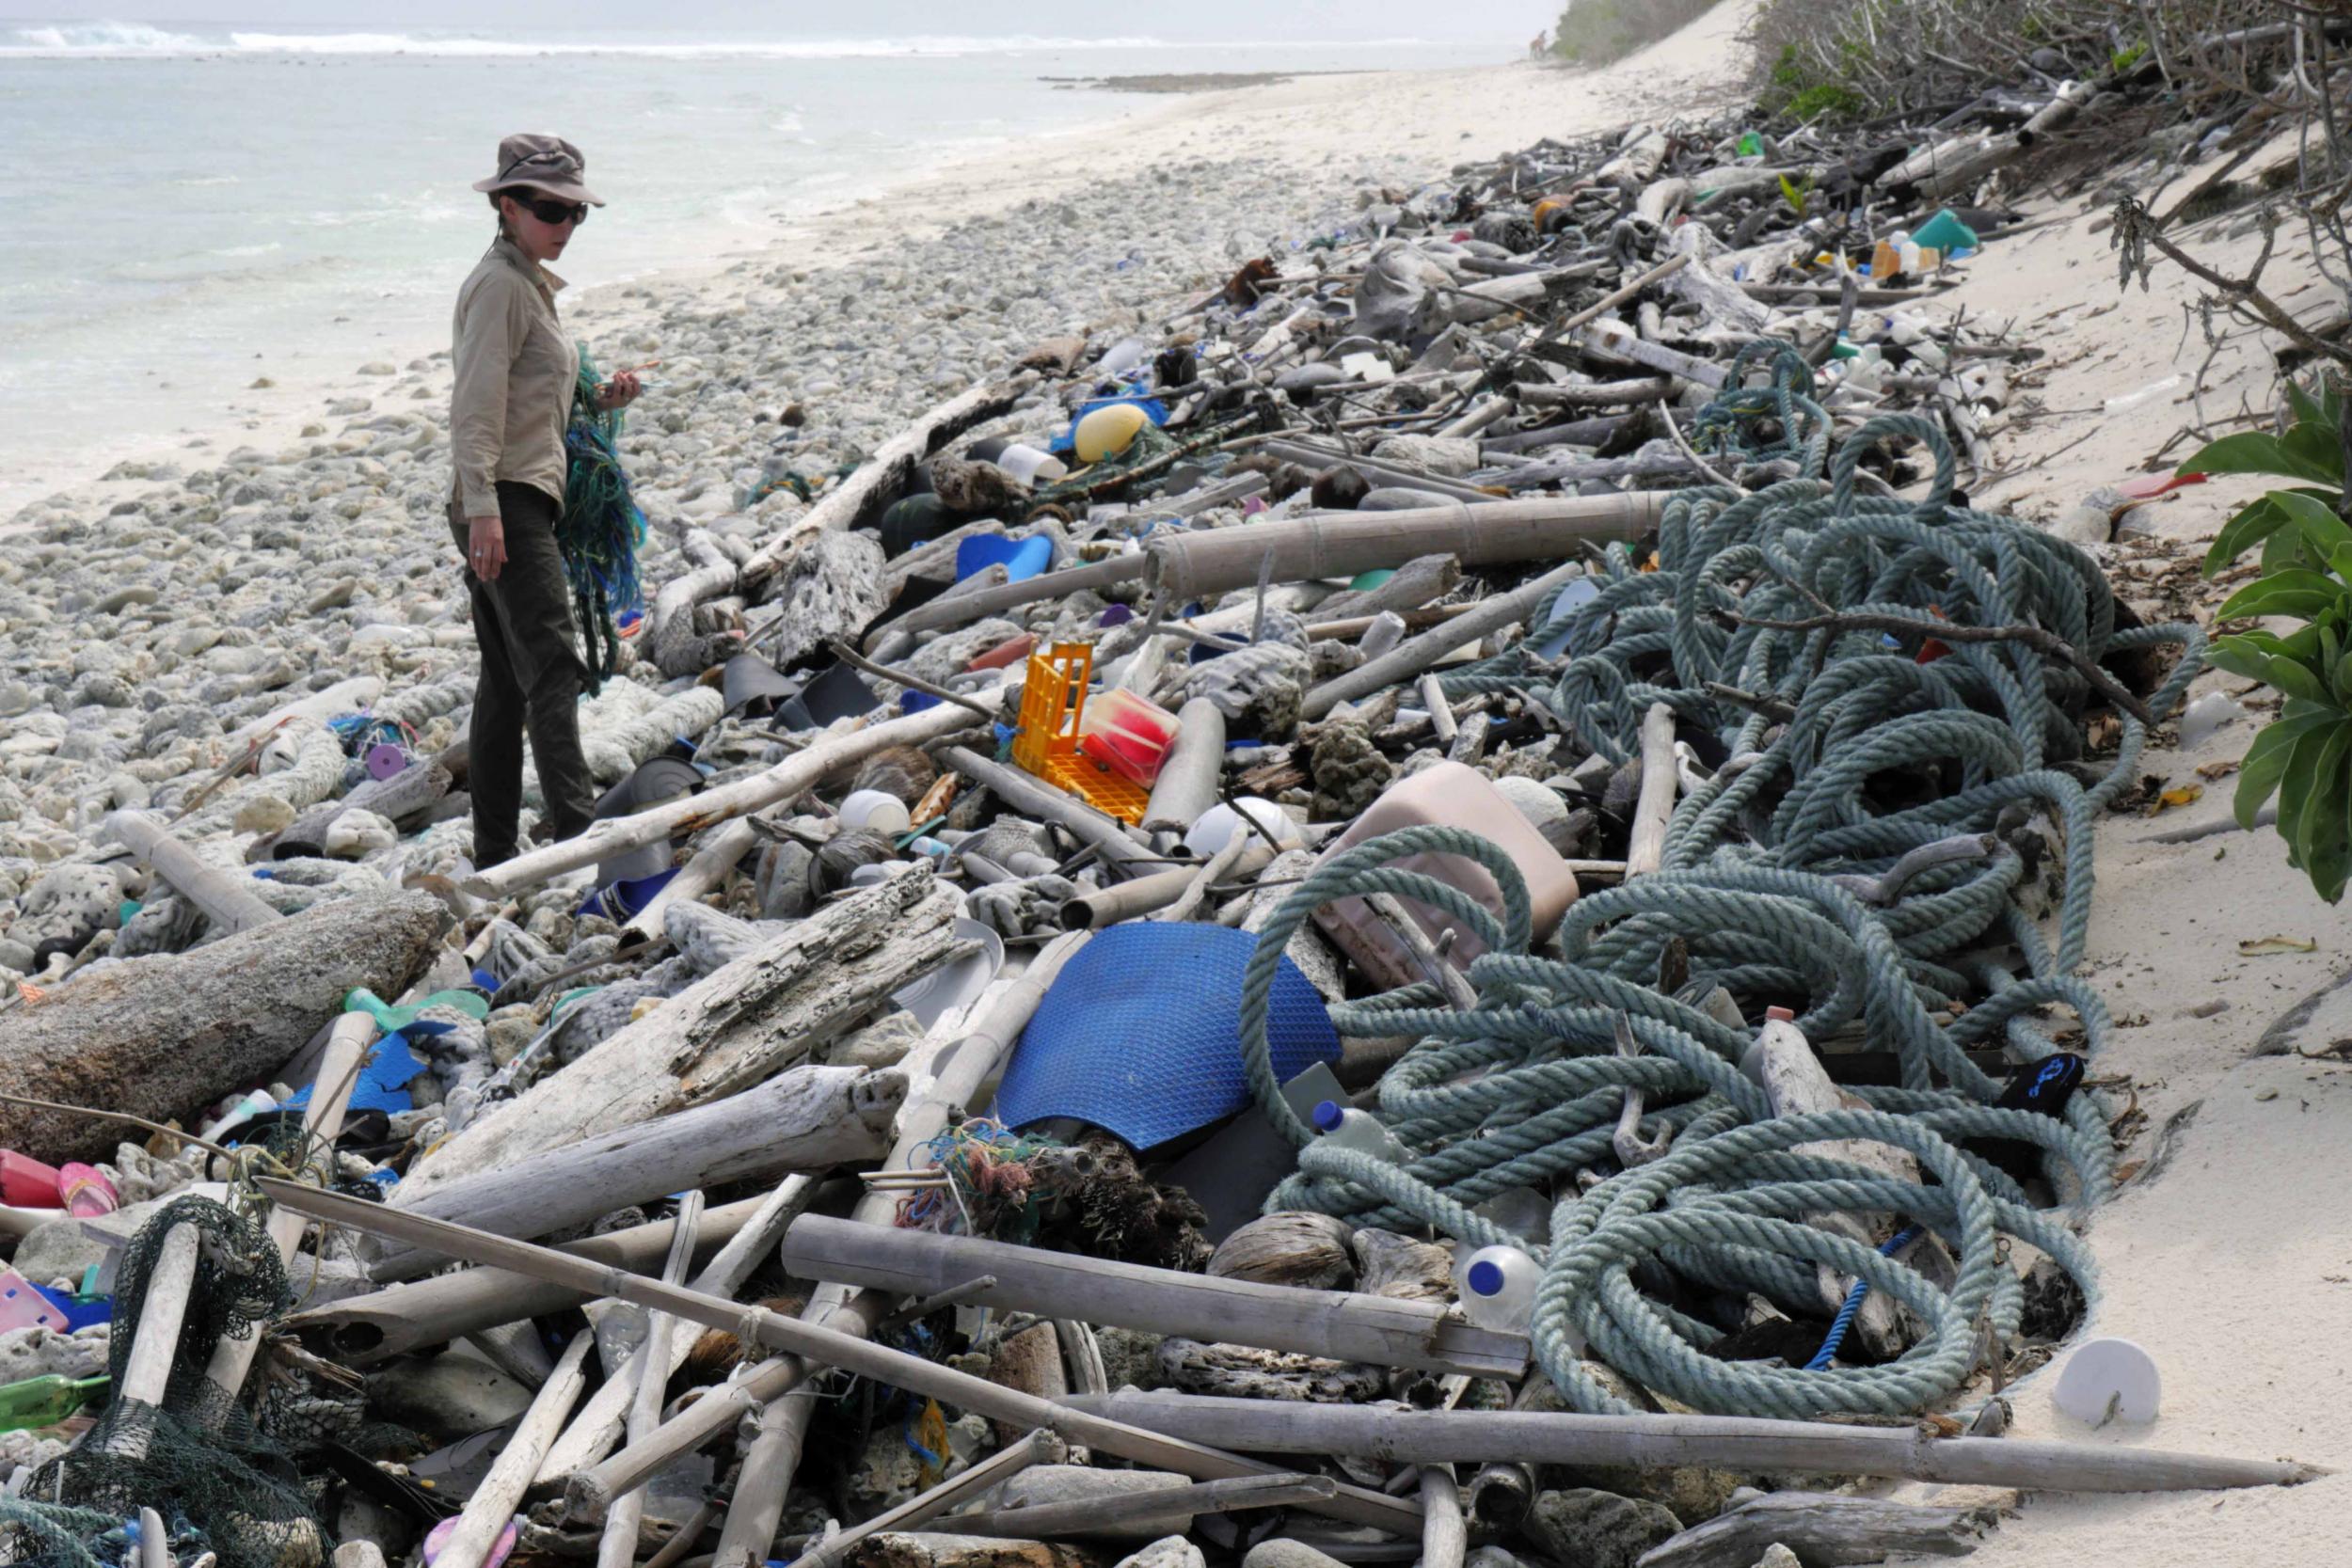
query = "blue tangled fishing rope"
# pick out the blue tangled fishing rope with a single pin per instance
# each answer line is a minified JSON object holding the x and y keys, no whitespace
{"x":1771,"y":886}
{"x":600,"y":529}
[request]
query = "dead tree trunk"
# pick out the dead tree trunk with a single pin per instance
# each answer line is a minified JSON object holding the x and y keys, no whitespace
{"x":159,"y":1037}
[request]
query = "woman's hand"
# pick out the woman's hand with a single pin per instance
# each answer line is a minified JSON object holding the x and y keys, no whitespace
{"x":619,"y":393}
{"x":485,"y":546}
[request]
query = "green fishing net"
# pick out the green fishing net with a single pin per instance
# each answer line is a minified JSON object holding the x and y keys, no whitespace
{"x":198,"y":1458}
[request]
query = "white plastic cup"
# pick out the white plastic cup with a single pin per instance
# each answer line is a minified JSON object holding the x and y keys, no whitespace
{"x":1498,"y":1288}
{"x":877,"y":811}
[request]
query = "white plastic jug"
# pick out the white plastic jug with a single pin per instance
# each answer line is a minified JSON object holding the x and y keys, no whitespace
{"x":1343,"y":1127}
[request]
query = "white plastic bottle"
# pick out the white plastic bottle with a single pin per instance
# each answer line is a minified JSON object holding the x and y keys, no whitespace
{"x":1498,"y":1288}
{"x":1343,"y":1127}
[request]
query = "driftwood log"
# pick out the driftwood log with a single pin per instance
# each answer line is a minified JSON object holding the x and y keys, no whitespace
{"x":801,"y":771}
{"x":361,"y":1331}
{"x":1333,"y":545}
{"x":831,"y":588}
{"x":860,"y":498}
{"x":1338,"y":1325}
{"x":1722,"y":1442}
{"x":734,"y":1029}
{"x":159,"y":1037}
{"x":494,"y":1500}
{"x":803,"y":1119}
{"x":1824,"y":1530}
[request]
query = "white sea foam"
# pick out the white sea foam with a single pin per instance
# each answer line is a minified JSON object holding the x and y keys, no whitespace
{"x":133,"y":39}
{"x":138,"y":39}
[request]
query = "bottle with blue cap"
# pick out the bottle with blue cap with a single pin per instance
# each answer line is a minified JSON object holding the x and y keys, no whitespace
{"x":1498,"y":1288}
{"x":1343,"y":1127}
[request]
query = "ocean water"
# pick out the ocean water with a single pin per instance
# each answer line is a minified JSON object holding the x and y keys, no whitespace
{"x":184,"y":210}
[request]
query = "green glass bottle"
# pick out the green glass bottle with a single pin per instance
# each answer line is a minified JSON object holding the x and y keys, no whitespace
{"x":41,"y":1402}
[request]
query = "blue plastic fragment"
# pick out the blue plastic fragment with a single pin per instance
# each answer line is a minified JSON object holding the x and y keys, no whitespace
{"x":1141,"y":1034}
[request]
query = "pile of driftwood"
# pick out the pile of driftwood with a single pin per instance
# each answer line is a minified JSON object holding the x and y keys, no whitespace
{"x":695,"y":1098}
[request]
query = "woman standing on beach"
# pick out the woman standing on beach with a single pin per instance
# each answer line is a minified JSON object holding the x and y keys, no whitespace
{"x":515,"y":380}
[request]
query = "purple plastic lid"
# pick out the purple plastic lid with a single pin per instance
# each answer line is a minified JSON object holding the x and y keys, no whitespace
{"x":1485,"y":1277}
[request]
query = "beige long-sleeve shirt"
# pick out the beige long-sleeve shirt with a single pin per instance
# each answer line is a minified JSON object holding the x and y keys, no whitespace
{"x":517,"y":375}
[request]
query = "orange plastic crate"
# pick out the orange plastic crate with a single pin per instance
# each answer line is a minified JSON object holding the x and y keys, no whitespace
{"x":1053,"y":698}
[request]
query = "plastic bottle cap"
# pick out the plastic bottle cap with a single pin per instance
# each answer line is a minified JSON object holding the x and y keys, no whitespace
{"x":1779,"y":1015}
{"x":1327,"y":1114}
{"x":1485,"y":1277}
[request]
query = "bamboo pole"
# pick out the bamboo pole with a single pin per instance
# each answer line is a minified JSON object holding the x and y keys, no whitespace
{"x":1720,"y":1442}
{"x":1341,"y":1324}
{"x":1169,"y":1508}
{"x":604,"y":1418}
{"x":322,"y":1123}
{"x":816,"y":1344}
{"x":1342,"y":544}
{"x":1416,"y":654}
{"x":1131,"y":900}
{"x":1189,"y":773}
{"x":647,"y":1375}
{"x":1332,"y":543}
{"x":147,"y":1371}
{"x":364,"y":1330}
{"x":1033,"y":797}
{"x":795,"y":775}
{"x":227,"y":899}
{"x":943,"y":1078}
{"x":494,"y":1501}
{"x":1655,"y":807}
{"x":1038,"y":1448}
{"x":705,"y":870}
{"x":1444,"y":1537}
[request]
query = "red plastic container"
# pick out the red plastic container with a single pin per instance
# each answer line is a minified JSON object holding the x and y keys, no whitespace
{"x":26,"y":1183}
{"x":1126,"y":734}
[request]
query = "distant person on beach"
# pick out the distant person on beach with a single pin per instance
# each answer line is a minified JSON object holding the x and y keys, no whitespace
{"x":517,"y":378}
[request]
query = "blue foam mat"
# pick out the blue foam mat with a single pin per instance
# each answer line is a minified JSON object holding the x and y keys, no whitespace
{"x":1141,"y":1034}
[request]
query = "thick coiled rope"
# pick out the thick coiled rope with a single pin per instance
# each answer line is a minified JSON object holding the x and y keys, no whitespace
{"x":1847,"y":749}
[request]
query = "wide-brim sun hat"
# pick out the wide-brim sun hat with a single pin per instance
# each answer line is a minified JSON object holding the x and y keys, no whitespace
{"x":548,"y":164}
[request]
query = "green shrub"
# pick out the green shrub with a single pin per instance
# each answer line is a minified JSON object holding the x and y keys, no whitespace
{"x":2304,"y":756}
{"x":1594,"y":32}
{"x":1825,"y":100}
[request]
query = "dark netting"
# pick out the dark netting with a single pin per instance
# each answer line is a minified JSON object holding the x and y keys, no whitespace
{"x":51,"y":1535}
{"x":199,"y":1457}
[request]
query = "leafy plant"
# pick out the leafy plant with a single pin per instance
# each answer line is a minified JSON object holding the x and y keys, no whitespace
{"x":2304,"y":756}
{"x":2123,"y":59}
{"x":1797,"y":193}
{"x":2311,"y":451}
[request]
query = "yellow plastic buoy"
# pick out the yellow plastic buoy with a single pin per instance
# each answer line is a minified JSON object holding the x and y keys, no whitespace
{"x":1107,"y":432}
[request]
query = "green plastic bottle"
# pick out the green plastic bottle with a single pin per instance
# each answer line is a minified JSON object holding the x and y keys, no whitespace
{"x":42,"y":1402}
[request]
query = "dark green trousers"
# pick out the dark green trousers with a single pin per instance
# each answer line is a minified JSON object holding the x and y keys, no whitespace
{"x":531,"y":680}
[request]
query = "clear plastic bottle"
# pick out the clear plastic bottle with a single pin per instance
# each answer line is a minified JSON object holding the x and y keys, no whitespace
{"x":1343,"y":1127}
{"x":1497,"y":1287}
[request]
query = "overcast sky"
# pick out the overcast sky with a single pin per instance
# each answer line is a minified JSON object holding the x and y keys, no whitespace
{"x":1501,"y":20}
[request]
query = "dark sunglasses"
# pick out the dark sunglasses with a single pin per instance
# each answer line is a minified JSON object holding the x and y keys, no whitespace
{"x":574,"y":212}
